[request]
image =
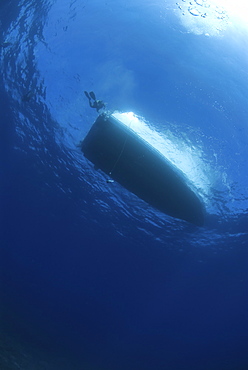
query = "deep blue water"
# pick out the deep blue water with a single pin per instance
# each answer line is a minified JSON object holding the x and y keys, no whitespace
{"x":91,"y":276}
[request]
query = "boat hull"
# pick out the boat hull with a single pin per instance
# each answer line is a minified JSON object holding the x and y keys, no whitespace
{"x":135,"y":164}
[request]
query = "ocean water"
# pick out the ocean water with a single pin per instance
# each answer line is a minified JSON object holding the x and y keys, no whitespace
{"x":92,"y":277}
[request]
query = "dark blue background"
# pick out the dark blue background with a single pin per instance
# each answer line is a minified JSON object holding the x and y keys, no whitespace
{"x":90,"y":287}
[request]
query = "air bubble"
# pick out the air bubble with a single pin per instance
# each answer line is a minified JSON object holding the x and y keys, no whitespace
{"x":194,"y":11}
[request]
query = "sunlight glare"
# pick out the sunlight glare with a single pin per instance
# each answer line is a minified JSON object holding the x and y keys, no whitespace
{"x":237,"y":8}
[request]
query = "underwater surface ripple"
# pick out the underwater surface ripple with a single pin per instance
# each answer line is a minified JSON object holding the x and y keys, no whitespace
{"x":48,"y":64}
